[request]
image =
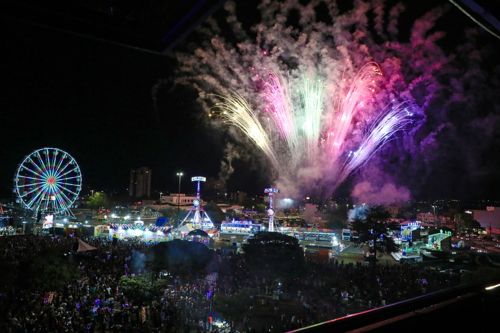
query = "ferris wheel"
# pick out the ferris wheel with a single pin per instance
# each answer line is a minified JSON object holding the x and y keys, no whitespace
{"x":48,"y":180}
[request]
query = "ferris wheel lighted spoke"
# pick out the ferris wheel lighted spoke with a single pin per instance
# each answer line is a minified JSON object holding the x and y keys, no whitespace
{"x":39,"y":195}
{"x":66,"y":189}
{"x":66,"y":202}
{"x":58,"y":167}
{"x":61,"y":170}
{"x":27,"y":177}
{"x":50,"y":163}
{"x":50,"y":171}
{"x":35,"y":202}
{"x":54,"y":160}
{"x":36,"y":166}
{"x":32,"y":190}
{"x":60,"y":202}
{"x":40,"y":163}
{"x":67,"y":172}
{"x":48,"y":196}
{"x":61,"y":189}
{"x":31,"y":184}
{"x":36,"y":189}
{"x":74,"y":177}
{"x":45,"y":157}
{"x":48,"y":179}
{"x":33,"y":172}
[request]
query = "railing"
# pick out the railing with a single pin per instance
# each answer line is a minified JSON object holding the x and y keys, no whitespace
{"x":454,"y":309}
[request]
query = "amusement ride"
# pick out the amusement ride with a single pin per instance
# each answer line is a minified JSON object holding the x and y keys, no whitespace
{"x":48,"y":181}
{"x":197,"y":218}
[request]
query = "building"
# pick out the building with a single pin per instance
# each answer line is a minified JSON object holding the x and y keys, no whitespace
{"x":488,"y":218}
{"x":238,"y":209}
{"x":140,"y":183}
{"x":427,"y":217}
{"x":178,"y":199}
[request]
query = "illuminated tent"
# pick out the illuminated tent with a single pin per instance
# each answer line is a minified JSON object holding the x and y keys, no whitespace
{"x":198,"y":232}
{"x":84,"y":247}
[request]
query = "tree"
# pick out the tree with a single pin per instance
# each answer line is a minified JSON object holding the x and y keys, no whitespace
{"x":361,"y":227}
{"x":216,"y":214}
{"x":138,"y":288}
{"x":390,"y":245}
{"x":466,"y":222}
{"x":172,"y":214}
{"x":179,"y":257}
{"x":50,"y":270}
{"x":274,"y":254}
{"x":98,"y":200}
{"x":260,"y":208}
{"x":336,"y":216}
{"x":376,"y":219}
{"x":372,"y":225}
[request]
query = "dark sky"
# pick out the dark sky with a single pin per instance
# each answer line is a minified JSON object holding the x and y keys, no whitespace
{"x":94,"y":100}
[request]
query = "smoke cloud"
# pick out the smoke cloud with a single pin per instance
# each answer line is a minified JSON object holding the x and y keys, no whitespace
{"x":357,"y":213}
{"x":366,"y":192}
{"x":226,"y":164}
{"x":452,"y":93}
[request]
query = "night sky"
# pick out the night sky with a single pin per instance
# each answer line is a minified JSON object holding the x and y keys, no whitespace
{"x":94,"y":100}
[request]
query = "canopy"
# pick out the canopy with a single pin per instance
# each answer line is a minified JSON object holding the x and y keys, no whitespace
{"x":84,"y":247}
{"x":198,"y":232}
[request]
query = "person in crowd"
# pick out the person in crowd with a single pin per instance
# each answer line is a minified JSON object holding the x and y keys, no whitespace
{"x":95,"y":301}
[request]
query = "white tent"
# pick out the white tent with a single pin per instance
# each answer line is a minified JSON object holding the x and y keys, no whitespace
{"x":84,"y":247}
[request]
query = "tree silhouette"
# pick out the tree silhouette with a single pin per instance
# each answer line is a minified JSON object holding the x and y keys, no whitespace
{"x":274,"y":254}
{"x":214,"y":212}
{"x":372,"y":225}
{"x":98,"y":200}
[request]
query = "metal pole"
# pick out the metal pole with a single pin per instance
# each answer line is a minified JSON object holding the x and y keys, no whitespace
{"x":271,"y":217}
{"x":271,"y":191}
{"x":179,"y":174}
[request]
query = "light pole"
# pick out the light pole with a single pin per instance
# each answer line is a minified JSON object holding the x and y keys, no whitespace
{"x":436,"y":222}
{"x":179,"y":174}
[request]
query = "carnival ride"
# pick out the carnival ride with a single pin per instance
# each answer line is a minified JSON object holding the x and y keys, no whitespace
{"x":271,"y":191}
{"x":48,"y":181}
{"x":196,"y":218}
{"x":240,"y":227}
{"x":438,"y":244}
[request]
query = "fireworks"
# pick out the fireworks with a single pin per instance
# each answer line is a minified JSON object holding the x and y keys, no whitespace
{"x":318,"y":108}
{"x":237,"y":112}
{"x":298,"y":126}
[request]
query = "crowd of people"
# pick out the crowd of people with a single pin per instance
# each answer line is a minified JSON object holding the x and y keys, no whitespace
{"x":93,"y":302}
{"x":325,"y":291}
{"x":96,"y":301}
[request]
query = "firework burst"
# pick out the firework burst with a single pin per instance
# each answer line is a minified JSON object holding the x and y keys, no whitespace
{"x":317,"y":107}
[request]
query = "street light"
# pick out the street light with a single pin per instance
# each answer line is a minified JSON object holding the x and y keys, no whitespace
{"x":179,"y":174}
{"x":436,"y":220}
